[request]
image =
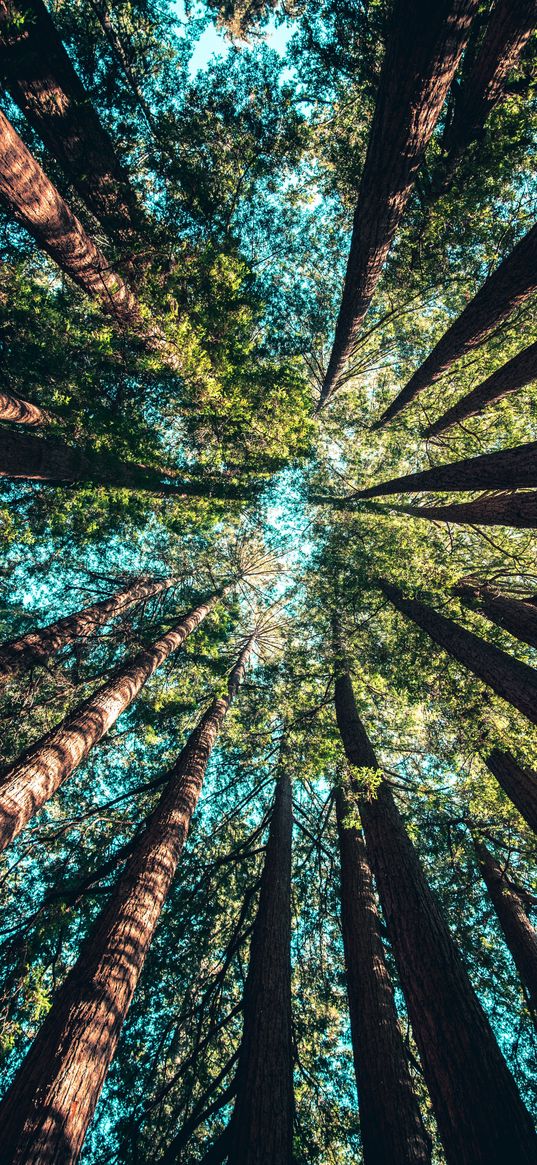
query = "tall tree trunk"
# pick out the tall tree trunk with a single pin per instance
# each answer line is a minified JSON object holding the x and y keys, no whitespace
{"x":261,"y":1127}
{"x":518,"y":372}
{"x":424,"y":47}
{"x":509,"y":27}
{"x":30,"y":197}
{"x":46,"y":1111}
{"x":508,"y":677}
{"x":40,"y":771}
{"x":37,"y":646}
{"x":390,"y":1119}
{"x":480,"y":1115}
{"x":514,"y":615}
{"x":102,"y":13}
{"x":22,"y":412}
{"x":519,"y":934}
{"x":514,"y":509}
{"x":506,"y":469}
{"x":506,"y":289}
{"x":40,"y":77}
{"x":24,"y":456}
{"x":519,"y":784}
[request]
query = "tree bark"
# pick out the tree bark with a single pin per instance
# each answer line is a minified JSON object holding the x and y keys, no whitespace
{"x":46,"y":1111}
{"x":514,"y":681}
{"x":37,"y":646}
{"x":515,"y":509}
{"x":519,"y":934}
{"x":390,"y":1120}
{"x":514,"y":615}
{"x":424,"y":47}
{"x":38,"y":73}
{"x":480,"y":1115}
{"x":519,"y":784}
{"x":30,"y":197}
{"x":22,"y":412}
{"x":261,"y":1127}
{"x":505,"y":469}
{"x":38,"y":773}
{"x":506,"y":289}
{"x":518,"y":372}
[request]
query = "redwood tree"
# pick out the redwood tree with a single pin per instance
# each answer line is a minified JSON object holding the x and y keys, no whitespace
{"x":510,"y":509}
{"x":518,"y":372}
{"x":22,"y":412}
{"x":518,"y":616}
{"x":511,"y":908}
{"x":505,"y":469}
{"x":518,"y":783}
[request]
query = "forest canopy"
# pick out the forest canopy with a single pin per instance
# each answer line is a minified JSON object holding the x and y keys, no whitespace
{"x":268,"y":610}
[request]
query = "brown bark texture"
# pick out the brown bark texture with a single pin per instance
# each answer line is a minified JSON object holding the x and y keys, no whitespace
{"x":514,"y":681}
{"x":390,"y":1120}
{"x":261,"y":1127}
{"x":505,"y":469}
{"x":519,"y":934}
{"x":519,"y":784}
{"x":480,"y":1115}
{"x":517,"y":373}
{"x":46,"y":1111}
{"x":511,"y":509}
{"x":30,"y":197}
{"x":22,"y":412}
{"x":514,"y":615}
{"x":40,"y":77}
{"x":39,"y":772}
{"x":424,"y":47}
{"x":505,"y":290}
{"x":37,"y":646}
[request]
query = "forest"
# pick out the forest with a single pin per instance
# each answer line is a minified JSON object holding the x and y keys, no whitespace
{"x":268,"y":608}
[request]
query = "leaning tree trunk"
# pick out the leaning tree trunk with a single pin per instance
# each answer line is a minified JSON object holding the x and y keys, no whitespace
{"x":46,"y":1111}
{"x":390,"y":1120}
{"x":261,"y":1127}
{"x":480,"y":1115}
{"x":505,"y":469}
{"x":518,"y":372}
{"x":519,"y":784}
{"x":22,"y":412}
{"x":506,"y":289}
{"x":37,"y":646}
{"x":515,"y":509}
{"x":508,"y":677}
{"x":424,"y":47}
{"x":42,"y":81}
{"x":30,"y":197}
{"x":514,"y":615}
{"x":519,"y":934}
{"x":40,"y":771}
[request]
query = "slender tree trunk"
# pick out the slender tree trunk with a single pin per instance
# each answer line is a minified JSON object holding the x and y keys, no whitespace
{"x":518,"y":372}
{"x":519,"y":784}
{"x":506,"y":289}
{"x":42,"y":81}
{"x":262,"y":1123}
{"x":514,"y":615}
{"x":100,"y":9}
{"x":22,"y":412}
{"x":30,"y":197}
{"x":508,"y":677}
{"x":519,"y":934}
{"x":480,"y":1115}
{"x":46,"y":1111}
{"x":518,"y":510}
{"x":390,"y":1119}
{"x":424,"y":47}
{"x":37,"y":646}
{"x":506,"y":469}
{"x":40,"y":771}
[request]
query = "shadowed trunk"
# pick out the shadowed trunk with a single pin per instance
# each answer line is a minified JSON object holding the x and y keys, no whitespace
{"x":518,"y":372}
{"x":30,"y":197}
{"x":506,"y":289}
{"x":506,"y":469}
{"x":515,"y":509}
{"x":39,"y":75}
{"x":40,"y":771}
{"x":514,"y":615}
{"x":424,"y":47}
{"x":37,"y":646}
{"x":519,"y":784}
{"x":46,"y":1111}
{"x":22,"y":412}
{"x":480,"y":1115}
{"x":261,"y":1127}
{"x":519,"y":934}
{"x":390,"y":1120}
{"x":508,"y":677}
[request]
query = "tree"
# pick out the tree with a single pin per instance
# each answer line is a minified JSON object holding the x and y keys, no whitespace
{"x":45,"y":1113}
{"x":506,"y":469}
{"x":510,"y":509}
{"x":518,"y":783}
{"x":22,"y":412}
{"x":518,"y":372}
{"x":518,"y":616}
{"x":508,"y":901}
